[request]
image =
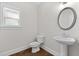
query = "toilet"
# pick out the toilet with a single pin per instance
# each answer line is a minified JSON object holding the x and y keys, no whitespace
{"x":37,"y":44}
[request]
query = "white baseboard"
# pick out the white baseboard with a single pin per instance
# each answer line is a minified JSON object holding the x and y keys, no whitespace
{"x":50,"y":50}
{"x":7,"y":53}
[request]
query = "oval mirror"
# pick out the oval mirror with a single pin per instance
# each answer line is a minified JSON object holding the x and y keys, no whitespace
{"x":67,"y":18}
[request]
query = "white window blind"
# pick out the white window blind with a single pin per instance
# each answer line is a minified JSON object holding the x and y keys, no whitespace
{"x":10,"y":17}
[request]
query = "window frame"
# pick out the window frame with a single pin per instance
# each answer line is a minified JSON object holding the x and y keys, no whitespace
{"x":3,"y":24}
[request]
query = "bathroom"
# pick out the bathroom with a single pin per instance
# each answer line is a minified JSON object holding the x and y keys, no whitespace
{"x":36,"y":18}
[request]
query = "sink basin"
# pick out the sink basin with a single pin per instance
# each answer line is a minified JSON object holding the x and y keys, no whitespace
{"x":65,"y":40}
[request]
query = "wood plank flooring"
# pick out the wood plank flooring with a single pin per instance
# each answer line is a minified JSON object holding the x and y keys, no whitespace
{"x":28,"y":52}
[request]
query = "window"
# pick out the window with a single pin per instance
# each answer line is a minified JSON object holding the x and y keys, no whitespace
{"x":11,"y":17}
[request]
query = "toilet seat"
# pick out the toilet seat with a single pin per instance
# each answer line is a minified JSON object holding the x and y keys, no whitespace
{"x":34,"y":44}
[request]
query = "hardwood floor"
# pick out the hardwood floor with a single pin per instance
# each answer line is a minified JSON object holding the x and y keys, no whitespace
{"x":28,"y":52}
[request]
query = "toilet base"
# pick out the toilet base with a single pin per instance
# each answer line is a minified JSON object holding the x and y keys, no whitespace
{"x":35,"y":49}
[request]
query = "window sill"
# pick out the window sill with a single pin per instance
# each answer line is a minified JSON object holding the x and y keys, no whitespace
{"x":11,"y":27}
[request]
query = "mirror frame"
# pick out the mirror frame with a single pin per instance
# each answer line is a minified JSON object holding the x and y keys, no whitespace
{"x":74,"y":19}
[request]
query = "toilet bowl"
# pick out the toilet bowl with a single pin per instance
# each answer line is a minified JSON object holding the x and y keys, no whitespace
{"x":36,"y":44}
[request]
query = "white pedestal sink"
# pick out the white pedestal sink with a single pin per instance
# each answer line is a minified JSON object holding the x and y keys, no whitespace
{"x":64,"y":42}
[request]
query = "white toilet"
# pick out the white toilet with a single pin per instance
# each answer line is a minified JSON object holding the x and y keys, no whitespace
{"x":36,"y":44}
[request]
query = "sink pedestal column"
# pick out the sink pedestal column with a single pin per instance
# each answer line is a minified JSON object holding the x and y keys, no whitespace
{"x":63,"y":50}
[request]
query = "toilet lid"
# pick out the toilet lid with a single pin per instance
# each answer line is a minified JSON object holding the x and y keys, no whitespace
{"x":35,"y":43}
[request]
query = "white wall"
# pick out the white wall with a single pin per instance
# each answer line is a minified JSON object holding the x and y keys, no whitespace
{"x":18,"y":37}
{"x":48,"y":25}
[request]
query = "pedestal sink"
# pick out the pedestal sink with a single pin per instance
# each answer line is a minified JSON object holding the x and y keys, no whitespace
{"x":64,"y":42}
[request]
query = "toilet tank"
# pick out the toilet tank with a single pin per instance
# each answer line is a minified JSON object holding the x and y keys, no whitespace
{"x":40,"y":38}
